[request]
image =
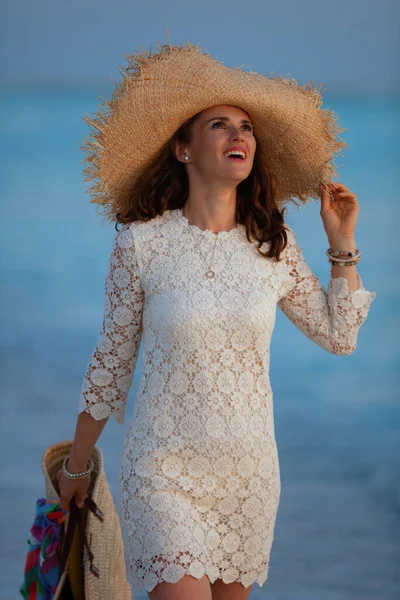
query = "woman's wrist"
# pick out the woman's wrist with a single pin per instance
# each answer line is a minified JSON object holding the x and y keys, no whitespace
{"x":345,"y":244}
{"x":79,"y":474}
{"x":77,"y":466}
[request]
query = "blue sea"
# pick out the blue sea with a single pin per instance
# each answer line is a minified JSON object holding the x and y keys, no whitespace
{"x":337,"y":418}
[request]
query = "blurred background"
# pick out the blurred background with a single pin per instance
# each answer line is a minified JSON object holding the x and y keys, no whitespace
{"x":337,"y":418}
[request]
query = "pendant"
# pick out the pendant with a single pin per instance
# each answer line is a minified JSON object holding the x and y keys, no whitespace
{"x":210,"y":274}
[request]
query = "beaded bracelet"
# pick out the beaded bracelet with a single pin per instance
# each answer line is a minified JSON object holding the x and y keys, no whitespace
{"x":77,"y":475}
{"x":338,"y":253}
{"x":352,"y":255}
{"x":343,"y":264}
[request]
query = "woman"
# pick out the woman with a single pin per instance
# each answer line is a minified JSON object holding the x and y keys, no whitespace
{"x":201,"y":262}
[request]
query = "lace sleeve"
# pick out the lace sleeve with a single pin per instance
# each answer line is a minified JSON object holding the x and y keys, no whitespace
{"x":109,"y":374}
{"x":329,"y":318}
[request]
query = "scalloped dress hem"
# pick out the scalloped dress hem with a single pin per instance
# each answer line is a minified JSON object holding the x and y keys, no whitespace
{"x":212,"y":573}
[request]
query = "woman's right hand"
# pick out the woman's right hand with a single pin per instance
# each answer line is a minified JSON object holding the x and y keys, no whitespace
{"x":72,"y":488}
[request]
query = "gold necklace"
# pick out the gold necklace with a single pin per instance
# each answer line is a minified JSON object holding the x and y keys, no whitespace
{"x":209,"y":274}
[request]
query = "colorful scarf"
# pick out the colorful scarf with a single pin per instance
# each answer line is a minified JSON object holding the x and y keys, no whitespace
{"x":42,"y":566}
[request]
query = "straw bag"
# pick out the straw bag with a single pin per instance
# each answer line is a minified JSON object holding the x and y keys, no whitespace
{"x":90,"y":550}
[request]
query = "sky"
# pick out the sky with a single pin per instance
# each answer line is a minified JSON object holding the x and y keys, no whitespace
{"x":347,"y":45}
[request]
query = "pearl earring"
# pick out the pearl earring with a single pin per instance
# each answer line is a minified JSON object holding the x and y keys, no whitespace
{"x":186,"y":158}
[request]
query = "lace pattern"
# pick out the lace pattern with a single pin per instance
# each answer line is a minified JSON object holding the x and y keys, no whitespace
{"x":199,"y":469}
{"x":112,"y":363}
{"x":331,"y":319}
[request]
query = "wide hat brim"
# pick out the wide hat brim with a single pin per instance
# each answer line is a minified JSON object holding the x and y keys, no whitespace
{"x":159,"y":91}
{"x":105,"y":539}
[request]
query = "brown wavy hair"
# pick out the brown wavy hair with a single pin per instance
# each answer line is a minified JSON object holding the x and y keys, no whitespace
{"x":164,"y":185}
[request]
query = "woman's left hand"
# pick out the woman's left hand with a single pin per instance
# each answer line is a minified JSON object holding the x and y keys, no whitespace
{"x":339,"y":215}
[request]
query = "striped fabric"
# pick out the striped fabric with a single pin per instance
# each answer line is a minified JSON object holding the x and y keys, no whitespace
{"x":42,"y":567}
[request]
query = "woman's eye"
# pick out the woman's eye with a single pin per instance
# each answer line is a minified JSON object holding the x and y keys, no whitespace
{"x":247,"y":125}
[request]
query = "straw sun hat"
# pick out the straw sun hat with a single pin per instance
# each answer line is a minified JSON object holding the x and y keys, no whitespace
{"x":160,"y":90}
{"x":104,"y":535}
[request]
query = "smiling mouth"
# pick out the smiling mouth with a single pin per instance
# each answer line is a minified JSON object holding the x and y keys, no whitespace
{"x":237,"y":158}
{"x":236,"y":154}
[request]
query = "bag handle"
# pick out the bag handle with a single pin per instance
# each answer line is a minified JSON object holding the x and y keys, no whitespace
{"x":76,"y":520}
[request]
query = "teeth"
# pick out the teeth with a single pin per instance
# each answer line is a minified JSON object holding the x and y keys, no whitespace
{"x":236,"y":152}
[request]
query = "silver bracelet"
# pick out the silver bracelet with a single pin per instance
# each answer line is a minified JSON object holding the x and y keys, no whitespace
{"x":77,"y":475}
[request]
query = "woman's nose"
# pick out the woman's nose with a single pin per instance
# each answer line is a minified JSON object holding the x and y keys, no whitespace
{"x":236,"y":133}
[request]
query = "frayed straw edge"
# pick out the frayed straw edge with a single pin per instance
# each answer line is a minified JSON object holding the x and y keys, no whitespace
{"x":336,"y":143}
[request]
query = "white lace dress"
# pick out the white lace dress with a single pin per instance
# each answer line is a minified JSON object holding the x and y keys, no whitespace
{"x":199,"y":470}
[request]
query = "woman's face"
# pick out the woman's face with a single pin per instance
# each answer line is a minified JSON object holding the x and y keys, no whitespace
{"x":216,"y":131}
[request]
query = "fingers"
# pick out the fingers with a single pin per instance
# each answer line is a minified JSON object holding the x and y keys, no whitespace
{"x":334,"y":186}
{"x":80,"y":500}
{"x":328,"y":193}
{"x":64,"y":504}
{"x":72,"y":490}
{"x":326,"y":199}
{"x":346,"y":195}
{"x":340,"y":187}
{"x":335,"y":192}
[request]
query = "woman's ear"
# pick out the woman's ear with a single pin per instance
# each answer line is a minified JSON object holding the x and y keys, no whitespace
{"x":179,"y":152}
